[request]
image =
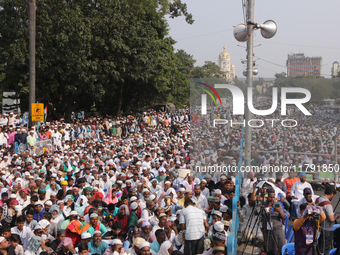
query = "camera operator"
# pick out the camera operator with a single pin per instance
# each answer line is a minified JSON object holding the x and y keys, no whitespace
{"x":326,"y":236}
{"x":307,"y":198}
{"x":304,"y":230}
{"x":273,"y":233}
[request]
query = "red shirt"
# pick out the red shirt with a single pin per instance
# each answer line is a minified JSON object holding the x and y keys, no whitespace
{"x":289,"y":183}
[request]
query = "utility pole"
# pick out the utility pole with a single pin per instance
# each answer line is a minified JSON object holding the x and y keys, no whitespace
{"x":31,"y":51}
{"x":250,"y":42}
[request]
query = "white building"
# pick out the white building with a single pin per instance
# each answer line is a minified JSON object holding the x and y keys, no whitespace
{"x":224,"y":63}
{"x":335,"y":69}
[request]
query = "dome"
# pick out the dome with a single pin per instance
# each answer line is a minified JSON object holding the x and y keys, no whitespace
{"x":224,"y":53}
{"x":232,"y":66}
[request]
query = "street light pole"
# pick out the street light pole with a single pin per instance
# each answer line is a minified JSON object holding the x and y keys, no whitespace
{"x":31,"y":50}
{"x":250,"y":42}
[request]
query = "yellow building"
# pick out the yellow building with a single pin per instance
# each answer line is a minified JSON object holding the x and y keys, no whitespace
{"x":226,"y":67}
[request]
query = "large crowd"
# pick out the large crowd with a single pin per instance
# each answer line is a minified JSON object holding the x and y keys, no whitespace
{"x":133,"y":185}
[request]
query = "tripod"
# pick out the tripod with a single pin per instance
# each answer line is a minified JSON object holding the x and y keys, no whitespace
{"x":261,"y":215}
{"x":314,"y":244}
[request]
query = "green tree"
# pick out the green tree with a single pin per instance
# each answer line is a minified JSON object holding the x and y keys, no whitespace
{"x":320,"y":88}
{"x":116,"y":54}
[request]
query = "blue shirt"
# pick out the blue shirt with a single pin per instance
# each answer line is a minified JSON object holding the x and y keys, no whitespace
{"x":38,"y":215}
{"x":101,"y":249}
{"x":155,"y":246}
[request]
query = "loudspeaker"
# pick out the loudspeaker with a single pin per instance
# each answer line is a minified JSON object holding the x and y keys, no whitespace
{"x":255,"y":72}
{"x":240,"y":33}
{"x":268,"y":29}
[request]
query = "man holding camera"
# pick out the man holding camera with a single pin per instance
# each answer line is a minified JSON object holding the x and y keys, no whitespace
{"x":273,"y":233}
{"x":304,"y":228}
{"x":326,"y":236}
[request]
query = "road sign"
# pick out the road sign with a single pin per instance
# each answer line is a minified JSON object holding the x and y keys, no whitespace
{"x":37,"y":112}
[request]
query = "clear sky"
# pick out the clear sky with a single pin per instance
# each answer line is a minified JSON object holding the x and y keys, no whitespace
{"x":311,"y":27}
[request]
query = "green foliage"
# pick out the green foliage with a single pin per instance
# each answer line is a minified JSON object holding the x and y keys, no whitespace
{"x":320,"y":88}
{"x":116,"y":54}
{"x":208,"y":70}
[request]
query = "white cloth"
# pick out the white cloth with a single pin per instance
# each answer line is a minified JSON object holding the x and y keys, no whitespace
{"x":193,"y":218}
{"x":297,"y":189}
{"x":201,"y":202}
{"x":25,"y":234}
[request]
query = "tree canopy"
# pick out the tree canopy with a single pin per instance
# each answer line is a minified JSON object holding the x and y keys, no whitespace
{"x":116,"y":55}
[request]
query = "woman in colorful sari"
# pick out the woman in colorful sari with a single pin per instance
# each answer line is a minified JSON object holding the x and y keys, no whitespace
{"x":112,"y":197}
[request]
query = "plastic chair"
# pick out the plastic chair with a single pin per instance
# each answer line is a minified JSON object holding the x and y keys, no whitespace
{"x":286,"y":224}
{"x":290,"y":237}
{"x":288,"y":231}
{"x":336,"y":226}
{"x":290,"y":249}
{"x":332,"y":252}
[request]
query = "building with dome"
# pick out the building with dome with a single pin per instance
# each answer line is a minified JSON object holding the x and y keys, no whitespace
{"x":226,"y":67}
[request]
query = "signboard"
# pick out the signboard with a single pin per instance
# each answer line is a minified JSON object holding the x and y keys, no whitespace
{"x":38,"y":112}
{"x":182,"y":173}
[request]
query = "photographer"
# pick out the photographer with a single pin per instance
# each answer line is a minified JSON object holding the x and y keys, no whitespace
{"x":304,"y":229}
{"x":326,"y":236}
{"x":273,"y":233}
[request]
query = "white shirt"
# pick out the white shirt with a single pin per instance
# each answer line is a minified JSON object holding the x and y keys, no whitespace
{"x":303,"y":200}
{"x":247,"y":186}
{"x":193,"y":218}
{"x":201,"y":201}
{"x":297,"y":189}
{"x":25,"y":234}
{"x":145,"y":215}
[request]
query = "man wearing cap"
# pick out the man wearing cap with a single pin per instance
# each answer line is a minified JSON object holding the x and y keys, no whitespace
{"x":297,"y":191}
{"x":97,"y":246}
{"x":218,"y":243}
{"x":38,"y":212}
{"x":54,"y":244}
{"x":134,"y":250}
{"x":86,"y":238}
{"x":31,"y":140}
{"x":5,"y":247}
{"x":133,"y":218}
{"x":115,"y":248}
{"x":307,"y":197}
{"x":94,"y":225}
{"x":148,"y":212}
{"x":146,"y":232}
{"x":215,"y":206}
{"x":144,"y":248}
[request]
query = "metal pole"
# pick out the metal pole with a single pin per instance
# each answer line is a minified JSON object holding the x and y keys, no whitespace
{"x":298,"y":153}
{"x":250,"y":17}
{"x":336,"y":157}
{"x":31,"y":50}
{"x":284,"y":146}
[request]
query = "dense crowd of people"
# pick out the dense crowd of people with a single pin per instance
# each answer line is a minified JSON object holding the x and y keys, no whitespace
{"x":134,"y":185}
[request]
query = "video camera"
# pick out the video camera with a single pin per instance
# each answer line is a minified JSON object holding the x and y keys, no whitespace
{"x":314,"y":211}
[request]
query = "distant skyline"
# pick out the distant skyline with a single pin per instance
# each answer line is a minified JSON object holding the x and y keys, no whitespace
{"x":309,"y":27}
